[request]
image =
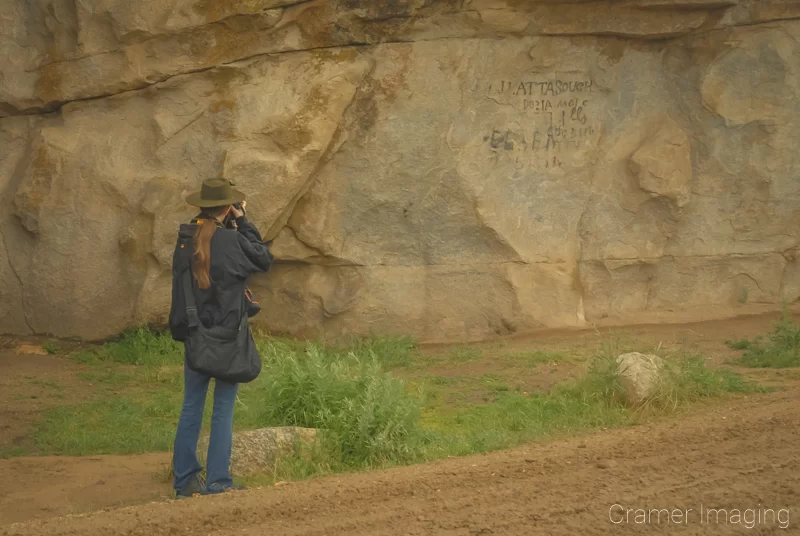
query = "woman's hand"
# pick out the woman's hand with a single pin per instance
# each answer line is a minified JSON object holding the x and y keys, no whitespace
{"x":239,"y":213}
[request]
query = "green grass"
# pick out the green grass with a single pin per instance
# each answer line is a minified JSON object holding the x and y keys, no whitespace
{"x":494,"y":383}
{"x":595,"y":400}
{"x":46,"y":384}
{"x":390,"y":352}
{"x":137,"y":394}
{"x":781,"y":349}
{"x":143,"y":347}
{"x":119,"y":425}
{"x":138,"y":347}
{"x":368,"y":417}
{"x":86,"y":356}
{"x":464,"y":354}
{"x":12,"y":452}
{"x":51,"y":347}
{"x":107,"y":376}
{"x":534,"y":359}
{"x":441,"y":380}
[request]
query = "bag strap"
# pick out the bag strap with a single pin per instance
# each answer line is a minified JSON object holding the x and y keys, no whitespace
{"x":188,"y":297}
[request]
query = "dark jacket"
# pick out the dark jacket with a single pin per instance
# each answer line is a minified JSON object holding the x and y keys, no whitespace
{"x":235,"y":256}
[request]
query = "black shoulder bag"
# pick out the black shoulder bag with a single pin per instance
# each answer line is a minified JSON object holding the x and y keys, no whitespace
{"x":224,"y":354}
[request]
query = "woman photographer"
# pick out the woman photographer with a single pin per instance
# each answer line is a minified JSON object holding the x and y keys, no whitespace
{"x":220,"y":249}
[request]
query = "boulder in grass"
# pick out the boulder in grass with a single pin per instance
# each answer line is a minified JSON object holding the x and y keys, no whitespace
{"x":639,"y":374}
{"x":256,"y":451}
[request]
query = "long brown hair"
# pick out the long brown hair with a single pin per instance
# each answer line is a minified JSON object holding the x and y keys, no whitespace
{"x":201,"y":262}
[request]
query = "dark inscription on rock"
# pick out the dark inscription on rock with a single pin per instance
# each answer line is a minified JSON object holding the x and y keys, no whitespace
{"x":543,"y":88}
{"x":554,"y":123}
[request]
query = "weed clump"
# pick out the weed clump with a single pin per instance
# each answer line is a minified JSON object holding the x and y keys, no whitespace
{"x":681,"y":381}
{"x":51,"y":347}
{"x":366,"y":417}
{"x":781,"y":349}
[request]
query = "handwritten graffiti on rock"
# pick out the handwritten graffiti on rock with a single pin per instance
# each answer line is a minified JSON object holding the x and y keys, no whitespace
{"x":574,"y":109}
{"x":557,"y":123}
{"x":545,"y":88}
{"x":553,"y":138}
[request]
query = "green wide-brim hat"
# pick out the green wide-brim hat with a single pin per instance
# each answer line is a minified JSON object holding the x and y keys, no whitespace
{"x":215,"y":193}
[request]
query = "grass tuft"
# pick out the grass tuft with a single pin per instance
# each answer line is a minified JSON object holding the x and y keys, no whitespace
{"x":366,"y":415}
{"x":142,"y":346}
{"x":781,"y":349}
{"x":689,"y":380}
{"x":51,"y":347}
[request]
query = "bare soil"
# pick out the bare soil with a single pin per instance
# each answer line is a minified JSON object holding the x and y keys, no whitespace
{"x":740,"y":454}
{"x":51,"y":486}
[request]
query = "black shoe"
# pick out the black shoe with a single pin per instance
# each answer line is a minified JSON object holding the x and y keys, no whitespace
{"x":213,"y":490}
{"x":196,"y":486}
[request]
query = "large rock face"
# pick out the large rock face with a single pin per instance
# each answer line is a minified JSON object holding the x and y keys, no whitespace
{"x":451,"y":169}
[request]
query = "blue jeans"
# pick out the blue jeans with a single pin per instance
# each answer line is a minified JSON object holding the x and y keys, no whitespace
{"x":185,"y":463}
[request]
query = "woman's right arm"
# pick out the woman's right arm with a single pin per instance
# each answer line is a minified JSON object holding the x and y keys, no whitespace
{"x":254,"y":253}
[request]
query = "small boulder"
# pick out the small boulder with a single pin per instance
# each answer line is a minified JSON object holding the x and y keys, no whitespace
{"x":30,"y":349}
{"x":639,"y":374}
{"x":606,"y":464}
{"x":256,"y":451}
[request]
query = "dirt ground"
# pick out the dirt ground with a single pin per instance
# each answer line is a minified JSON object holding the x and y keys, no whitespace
{"x":49,"y":486}
{"x":736,"y":455}
{"x":28,"y":387}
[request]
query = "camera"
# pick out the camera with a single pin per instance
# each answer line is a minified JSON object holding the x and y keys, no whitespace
{"x":238,"y":206}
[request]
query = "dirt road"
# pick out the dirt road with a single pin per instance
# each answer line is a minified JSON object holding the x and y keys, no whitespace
{"x":740,"y":456}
